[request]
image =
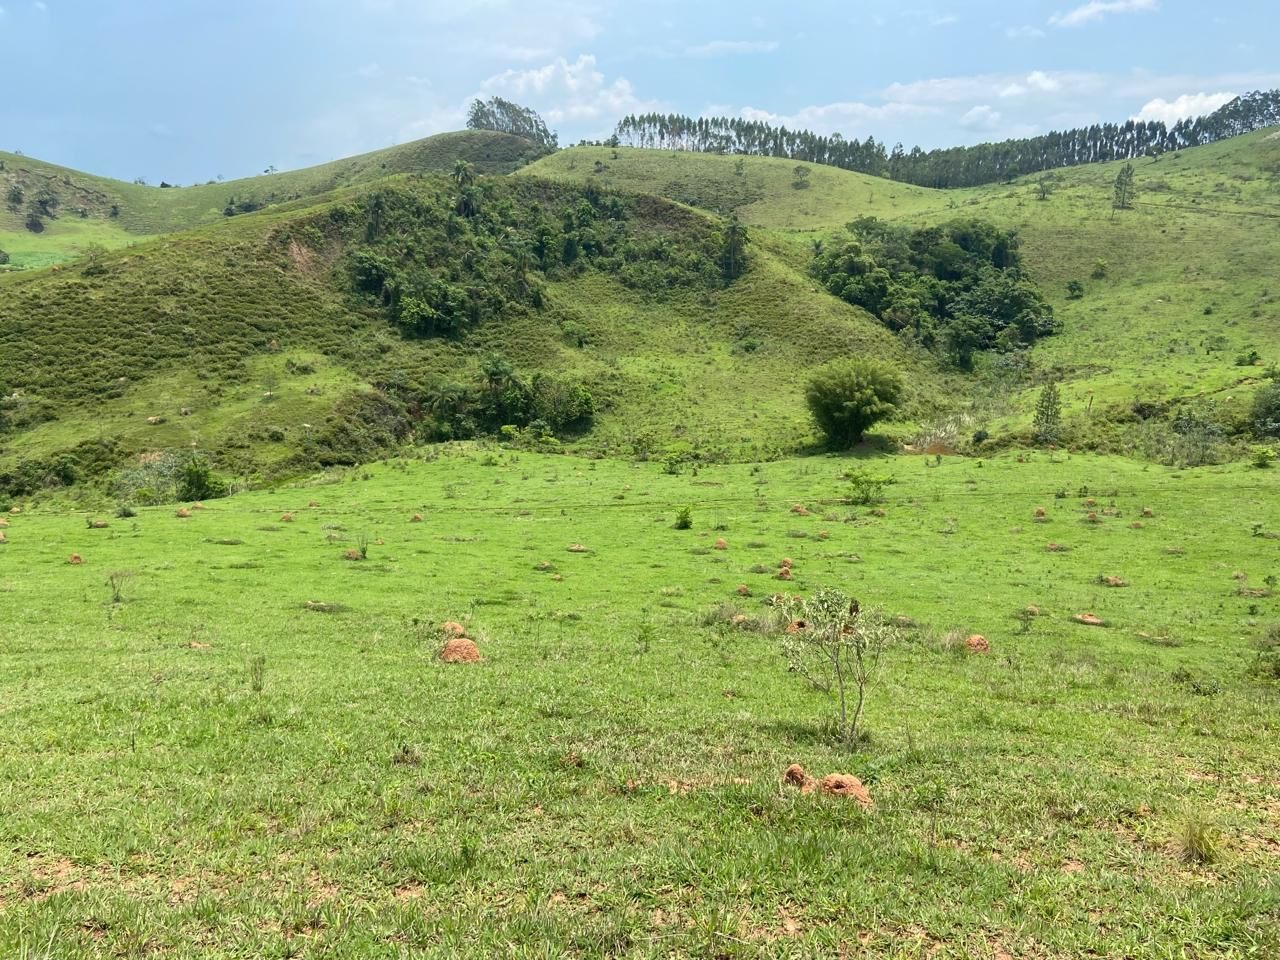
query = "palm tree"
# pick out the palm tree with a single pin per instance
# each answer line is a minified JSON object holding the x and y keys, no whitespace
{"x":464,"y":174}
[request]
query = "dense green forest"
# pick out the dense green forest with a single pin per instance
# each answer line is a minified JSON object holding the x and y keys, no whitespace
{"x":953,"y":166}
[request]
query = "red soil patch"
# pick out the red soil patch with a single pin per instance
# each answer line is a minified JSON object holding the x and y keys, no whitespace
{"x":1148,"y":512}
{"x":557,"y":577}
{"x":1055,"y":548}
{"x":286,"y":518}
{"x":797,"y":626}
{"x":795,"y":776}
{"x":416,"y":518}
{"x":452,"y":629}
{"x":1089,"y":619}
{"x":1092,"y":518}
{"x":844,"y":785}
{"x":824,"y":534}
{"x":577,"y":548}
{"x":1091,"y":502}
{"x":978,"y":644}
{"x":3,"y":538}
{"x":1040,"y":513}
{"x":3,"y":522}
{"x":460,"y":650}
{"x":197,"y":506}
{"x":183,"y":513}
{"x":784,"y":573}
{"x":14,"y":511}
{"x":352,"y":555}
{"x":744,"y":590}
{"x":1033,"y":610}
{"x":722,"y":544}
{"x":800,"y":510}
{"x":1136,"y":525}
{"x":75,"y":560}
{"x":877,"y":512}
{"x":786,"y":562}
{"x":1113,"y":582}
{"x":312,"y":504}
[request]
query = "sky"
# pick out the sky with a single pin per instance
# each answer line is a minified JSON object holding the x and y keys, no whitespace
{"x":188,"y":90}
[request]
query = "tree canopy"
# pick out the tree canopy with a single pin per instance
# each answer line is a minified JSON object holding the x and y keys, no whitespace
{"x":507,"y":117}
{"x":958,"y":287}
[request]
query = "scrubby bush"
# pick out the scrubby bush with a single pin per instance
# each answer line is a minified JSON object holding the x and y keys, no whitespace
{"x":848,"y":397}
{"x":197,"y":482}
{"x":1265,"y":415}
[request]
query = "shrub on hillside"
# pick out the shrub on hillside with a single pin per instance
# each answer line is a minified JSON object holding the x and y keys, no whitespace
{"x":1265,"y":416}
{"x":848,"y":397}
{"x":197,"y":482}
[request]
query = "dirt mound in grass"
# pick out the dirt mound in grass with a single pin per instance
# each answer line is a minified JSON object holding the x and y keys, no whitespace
{"x":452,"y":629}
{"x":1089,"y":619}
{"x":844,"y":785}
{"x":460,"y":650}
{"x":796,"y":776}
{"x":978,"y":644}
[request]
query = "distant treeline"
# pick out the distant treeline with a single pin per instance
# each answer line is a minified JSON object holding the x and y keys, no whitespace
{"x":954,"y":166}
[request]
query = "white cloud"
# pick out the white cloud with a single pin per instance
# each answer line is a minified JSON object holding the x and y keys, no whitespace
{"x":1098,"y":9}
{"x":721,"y":48}
{"x":1024,"y":33}
{"x":574,"y":92}
{"x":1037,"y":81}
{"x":981,"y":117}
{"x":370,"y":70}
{"x":944,"y":21}
{"x":1170,"y":112}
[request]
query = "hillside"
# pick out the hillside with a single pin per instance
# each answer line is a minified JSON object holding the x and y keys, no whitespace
{"x":1186,"y":289}
{"x":257,"y":324}
{"x":257,"y":340}
{"x":89,"y":210}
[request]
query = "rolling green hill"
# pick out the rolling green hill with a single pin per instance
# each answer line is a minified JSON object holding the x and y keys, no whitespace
{"x":256,"y":329}
{"x":1186,"y":291}
{"x":92,"y":210}
{"x":253,"y":323}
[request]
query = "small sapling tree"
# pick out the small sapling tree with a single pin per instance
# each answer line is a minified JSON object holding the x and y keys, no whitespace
{"x":837,"y":648}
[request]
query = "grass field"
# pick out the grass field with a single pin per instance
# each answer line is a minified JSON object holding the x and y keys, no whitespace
{"x":210,"y":768}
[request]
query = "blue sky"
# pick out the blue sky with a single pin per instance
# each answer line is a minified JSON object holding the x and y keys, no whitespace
{"x":186,"y":90}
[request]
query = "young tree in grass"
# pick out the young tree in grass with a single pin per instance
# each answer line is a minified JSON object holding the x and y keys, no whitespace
{"x":1047,"y":425}
{"x":733,"y":250}
{"x":848,"y":397}
{"x":1124,"y":189}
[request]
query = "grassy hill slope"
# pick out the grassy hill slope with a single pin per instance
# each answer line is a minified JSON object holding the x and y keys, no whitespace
{"x":1187,"y":286}
{"x":763,"y":191}
{"x":111,"y":213}
{"x":254,"y":329}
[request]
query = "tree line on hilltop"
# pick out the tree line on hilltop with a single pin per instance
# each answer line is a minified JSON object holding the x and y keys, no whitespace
{"x":952,"y":166}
